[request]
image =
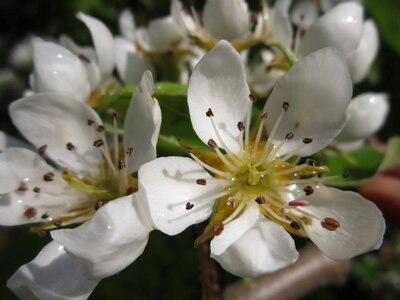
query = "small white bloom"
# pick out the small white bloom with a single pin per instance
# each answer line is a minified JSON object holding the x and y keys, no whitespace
{"x":256,"y":192}
{"x":92,"y":174}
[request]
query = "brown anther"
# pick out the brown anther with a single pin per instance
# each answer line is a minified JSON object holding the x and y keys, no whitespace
{"x":49,"y":176}
{"x":57,"y":223}
{"x":84,"y":58}
{"x":289,"y":136}
{"x":70,"y":146}
{"x":240,"y":126}
{"x":231,"y":201}
{"x":209,"y":113}
{"x":189,"y":206}
{"x":45,"y":216}
{"x":42,"y":150}
{"x":36,"y":189}
{"x":100,"y":128}
{"x":201,"y":181}
{"x":285,"y":106}
{"x":264,"y":115}
{"x":90,"y":122}
{"x":99,"y":204}
{"x":41,"y":233}
{"x":260,"y":200}
{"x":188,"y":150}
{"x":30,"y":213}
{"x":121,"y":164}
{"x":311,"y":162}
{"x":307,"y":140}
{"x":217,"y":229}
{"x":22,"y":187}
{"x":330,"y":224}
{"x":253,"y":98}
{"x":346,"y":174}
{"x":114,"y":115}
{"x":129,"y":151}
{"x":212,"y":143}
{"x":295,"y":225}
{"x":131,"y":190}
{"x":98,"y":143}
{"x":308,"y":190}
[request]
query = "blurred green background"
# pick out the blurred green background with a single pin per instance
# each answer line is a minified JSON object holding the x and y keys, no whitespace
{"x":169,"y":267}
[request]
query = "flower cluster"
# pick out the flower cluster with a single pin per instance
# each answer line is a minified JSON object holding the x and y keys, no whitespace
{"x":95,"y":182}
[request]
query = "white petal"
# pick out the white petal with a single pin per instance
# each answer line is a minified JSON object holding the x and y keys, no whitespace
{"x":226,"y":19}
{"x":55,"y":119}
{"x":58,"y":70}
{"x":126,"y":22}
{"x":167,"y":184}
{"x":362,"y":58}
{"x":29,"y":168}
{"x":361,"y":223}
{"x":142,"y":124}
{"x":130,"y":64}
{"x":164,"y":34}
{"x":282,"y":31}
{"x":52,"y":275}
{"x":367,"y":113}
{"x":340,"y":27}
{"x":8,"y":179}
{"x":110,"y":241}
{"x":304,"y":13}
{"x":219,"y":82}
{"x":183,"y":20}
{"x":318,"y":89}
{"x":103,"y":43}
{"x":262,"y":248}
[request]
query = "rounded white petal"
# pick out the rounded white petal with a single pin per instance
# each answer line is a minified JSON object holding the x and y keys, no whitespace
{"x":8,"y":179}
{"x":110,"y":241}
{"x":21,"y":207}
{"x":103,"y":43}
{"x":3,"y":141}
{"x":361,"y":223}
{"x":142,"y":124}
{"x":56,"y":69}
{"x":226,"y":19}
{"x":164,"y":34}
{"x":318,"y":89}
{"x":183,"y":20}
{"x":304,"y":13}
{"x":219,"y":82}
{"x":55,"y":119}
{"x":126,"y":23}
{"x":340,"y":27}
{"x":262,"y":248}
{"x":281,"y":27}
{"x":367,"y":113}
{"x":167,"y":184}
{"x":263,"y":78}
{"x":362,"y":58}
{"x":130,"y":64}
{"x":52,"y":275}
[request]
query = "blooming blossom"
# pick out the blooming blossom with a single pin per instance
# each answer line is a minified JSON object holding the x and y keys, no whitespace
{"x":91,"y":183}
{"x":253,"y":184}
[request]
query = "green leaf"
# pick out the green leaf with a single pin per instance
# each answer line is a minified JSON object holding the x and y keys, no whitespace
{"x":361,"y":163}
{"x":392,"y":154}
{"x":386,"y":14}
{"x":163,"y":89}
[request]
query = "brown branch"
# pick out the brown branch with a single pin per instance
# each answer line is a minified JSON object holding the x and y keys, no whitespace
{"x":312,"y":270}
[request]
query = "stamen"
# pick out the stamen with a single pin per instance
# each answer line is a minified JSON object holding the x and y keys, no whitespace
{"x":209,"y":113}
{"x":253,"y":98}
{"x":247,"y":127}
{"x":235,"y":212}
{"x":209,"y":168}
{"x":299,"y":203}
{"x":259,"y":132}
{"x":260,"y":200}
{"x":121,"y":164}
{"x":240,"y":126}
{"x":49,"y":176}
{"x":90,"y":122}
{"x":22,"y":187}
{"x":289,"y":136}
{"x":42,"y":150}
{"x":70,"y":146}
{"x":57,"y":223}
{"x":295,"y":225}
{"x":201,"y":181}
{"x":307,"y":140}
{"x":189,"y":206}
{"x":308,"y":190}
{"x":100,"y":128}
{"x":274,"y":214}
{"x":311,"y":162}
{"x":45,"y":216}
{"x":100,"y":204}
{"x":285,"y":106}
{"x":290,"y":170}
{"x":129,"y":151}
{"x":30,"y":213}
{"x":231,"y":201}
{"x":115,"y":136}
{"x":98,"y":143}
{"x":212,"y":143}
{"x":42,"y":233}
{"x":206,"y":199}
{"x":131,"y":190}
{"x":346,"y":174}
{"x":330,"y":224}
{"x":218,"y":229}
{"x":36,"y":189}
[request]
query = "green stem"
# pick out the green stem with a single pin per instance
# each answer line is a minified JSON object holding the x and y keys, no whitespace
{"x":290,"y":57}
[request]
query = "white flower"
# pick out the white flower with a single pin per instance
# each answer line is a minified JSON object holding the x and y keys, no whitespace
{"x":83,"y":73}
{"x":95,"y":177}
{"x":250,"y":181}
{"x":367,"y":113}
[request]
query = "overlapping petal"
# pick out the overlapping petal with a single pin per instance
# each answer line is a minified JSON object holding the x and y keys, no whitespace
{"x":142,"y":124}
{"x":56,"y":119}
{"x":219,"y":82}
{"x":108,"y":242}
{"x":127,"y":27}
{"x":52,"y":275}
{"x":304,"y":13}
{"x":164,"y":34}
{"x":318,"y":89}
{"x":167,"y":184}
